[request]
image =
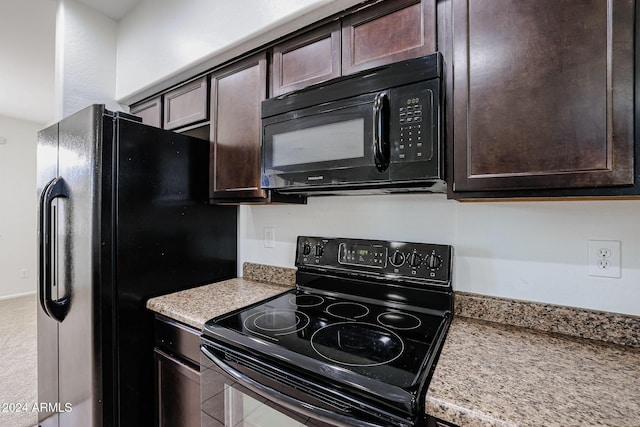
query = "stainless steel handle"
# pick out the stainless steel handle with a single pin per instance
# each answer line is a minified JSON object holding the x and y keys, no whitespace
{"x":286,"y":401}
{"x":56,"y":309}
{"x":42,"y":260}
{"x":381,"y":145}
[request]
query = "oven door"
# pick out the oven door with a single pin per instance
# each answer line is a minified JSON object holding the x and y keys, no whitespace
{"x":238,"y":389}
{"x":342,"y":142}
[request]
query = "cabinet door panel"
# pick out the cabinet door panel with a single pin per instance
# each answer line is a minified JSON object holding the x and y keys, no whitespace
{"x":388,"y":32}
{"x":186,"y":104}
{"x":178,"y":392}
{"x":150,"y":112}
{"x":543,"y":94}
{"x":310,"y":58}
{"x":236,"y":96}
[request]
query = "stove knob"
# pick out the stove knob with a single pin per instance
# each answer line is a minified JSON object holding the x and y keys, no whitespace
{"x":397,"y":259}
{"x":434,"y":261}
{"x":415,"y":260}
{"x":306,"y":249}
{"x":319,"y":250}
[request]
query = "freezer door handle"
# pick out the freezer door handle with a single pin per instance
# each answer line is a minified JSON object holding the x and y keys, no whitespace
{"x":56,"y":309}
{"x":41,"y":257}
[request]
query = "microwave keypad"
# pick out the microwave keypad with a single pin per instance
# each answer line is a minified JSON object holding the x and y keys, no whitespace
{"x":410,"y":145}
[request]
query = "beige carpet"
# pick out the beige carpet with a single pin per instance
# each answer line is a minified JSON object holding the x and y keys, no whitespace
{"x":18,"y":361}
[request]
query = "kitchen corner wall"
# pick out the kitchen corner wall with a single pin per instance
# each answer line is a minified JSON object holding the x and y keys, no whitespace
{"x":86,"y":45}
{"x":527,"y":250}
{"x":160,"y":38}
{"x":19,"y":205}
{"x":533,"y":251}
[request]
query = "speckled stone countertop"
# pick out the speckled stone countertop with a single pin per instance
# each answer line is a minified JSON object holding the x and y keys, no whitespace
{"x":196,"y":306}
{"x":578,"y":322}
{"x":493,"y":374}
{"x":505,"y":363}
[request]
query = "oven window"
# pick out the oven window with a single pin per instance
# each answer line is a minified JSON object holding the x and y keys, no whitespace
{"x":334,"y":141}
{"x":244,"y":410}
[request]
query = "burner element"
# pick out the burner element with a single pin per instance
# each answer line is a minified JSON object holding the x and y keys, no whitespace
{"x":357,"y":344}
{"x":306,"y":300}
{"x":397,"y":320}
{"x":276,"y":322}
{"x":347,"y":310}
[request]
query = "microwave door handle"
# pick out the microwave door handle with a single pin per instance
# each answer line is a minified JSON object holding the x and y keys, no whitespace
{"x":381,"y":146}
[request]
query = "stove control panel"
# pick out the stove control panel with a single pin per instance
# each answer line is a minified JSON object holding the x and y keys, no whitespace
{"x":389,"y":259}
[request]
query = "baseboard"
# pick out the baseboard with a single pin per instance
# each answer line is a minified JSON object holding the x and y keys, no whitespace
{"x":17,"y":295}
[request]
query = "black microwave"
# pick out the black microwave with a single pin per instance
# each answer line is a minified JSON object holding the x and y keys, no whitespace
{"x":376,"y":131}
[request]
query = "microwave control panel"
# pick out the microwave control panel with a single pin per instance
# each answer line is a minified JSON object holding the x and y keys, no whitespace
{"x":413,"y":107}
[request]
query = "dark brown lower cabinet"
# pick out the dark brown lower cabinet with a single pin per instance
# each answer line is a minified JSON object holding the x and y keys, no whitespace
{"x":178,"y":392}
{"x":177,"y":375}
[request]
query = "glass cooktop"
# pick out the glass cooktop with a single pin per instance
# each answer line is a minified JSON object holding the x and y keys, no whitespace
{"x":378,"y":341}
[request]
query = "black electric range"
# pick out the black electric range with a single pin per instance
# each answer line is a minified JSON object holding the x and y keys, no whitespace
{"x":354,"y":343}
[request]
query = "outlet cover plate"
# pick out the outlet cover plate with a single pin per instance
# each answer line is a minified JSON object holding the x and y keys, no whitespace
{"x":269,"y":237}
{"x":604,"y":258}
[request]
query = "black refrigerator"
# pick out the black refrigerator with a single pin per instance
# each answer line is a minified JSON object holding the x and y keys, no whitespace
{"x":123,"y":217}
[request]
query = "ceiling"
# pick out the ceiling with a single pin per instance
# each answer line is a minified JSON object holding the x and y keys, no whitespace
{"x":27,"y":54}
{"x":115,"y":9}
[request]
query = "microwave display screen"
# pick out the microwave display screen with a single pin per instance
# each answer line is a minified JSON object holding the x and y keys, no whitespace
{"x":329,"y":142}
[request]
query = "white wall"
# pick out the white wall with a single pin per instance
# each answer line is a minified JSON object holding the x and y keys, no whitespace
{"x":27,"y":30}
{"x":86,"y":45}
{"x":159,"y":38}
{"x":526,"y":250}
{"x":19,"y":203}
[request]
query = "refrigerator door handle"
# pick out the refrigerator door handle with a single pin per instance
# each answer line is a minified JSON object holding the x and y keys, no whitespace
{"x":41,"y":257}
{"x":56,"y":309}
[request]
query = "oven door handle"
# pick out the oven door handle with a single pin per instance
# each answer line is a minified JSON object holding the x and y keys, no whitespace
{"x":284,"y":400}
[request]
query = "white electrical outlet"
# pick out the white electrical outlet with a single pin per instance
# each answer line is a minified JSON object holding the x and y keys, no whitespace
{"x":603,"y":258}
{"x":24,"y":273}
{"x":269,"y":237}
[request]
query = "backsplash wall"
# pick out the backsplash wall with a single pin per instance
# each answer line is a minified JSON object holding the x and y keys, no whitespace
{"x":529,"y":250}
{"x":533,"y":251}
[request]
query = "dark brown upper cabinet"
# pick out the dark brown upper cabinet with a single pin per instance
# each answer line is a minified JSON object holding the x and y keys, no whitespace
{"x":186,"y":104}
{"x":150,"y":112}
{"x":387,"y":32}
{"x":310,"y":58}
{"x":379,"y":34}
{"x":236,"y":95}
{"x":543,"y":95}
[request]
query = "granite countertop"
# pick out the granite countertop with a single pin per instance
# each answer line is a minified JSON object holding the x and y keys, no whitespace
{"x":493,"y":374}
{"x":196,"y":306}
{"x":504,"y":363}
